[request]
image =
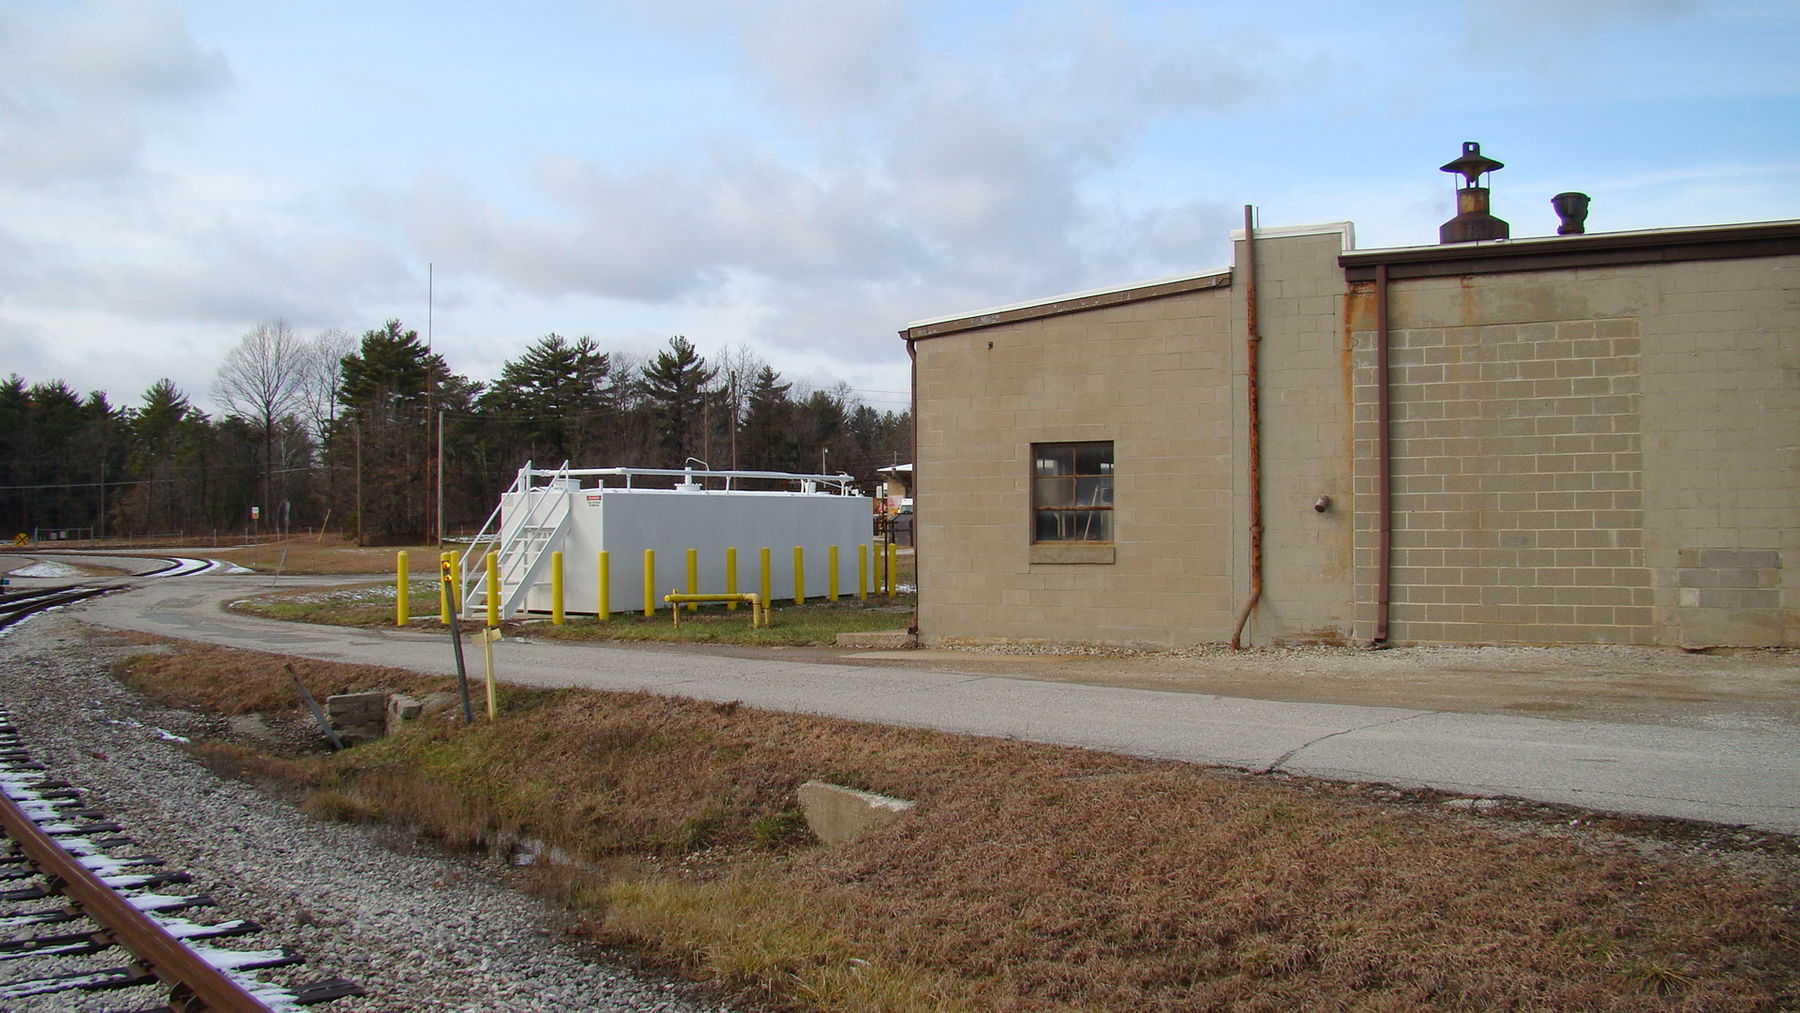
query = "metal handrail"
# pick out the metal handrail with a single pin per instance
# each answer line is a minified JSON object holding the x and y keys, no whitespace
{"x":538,"y":509}
{"x":841,"y":481}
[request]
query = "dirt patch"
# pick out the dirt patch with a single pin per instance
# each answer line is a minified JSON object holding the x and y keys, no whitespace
{"x":1639,"y":685}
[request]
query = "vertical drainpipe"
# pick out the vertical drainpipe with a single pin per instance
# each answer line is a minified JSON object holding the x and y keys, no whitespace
{"x":1253,"y":343}
{"x":1384,"y":524}
{"x":912,"y":353}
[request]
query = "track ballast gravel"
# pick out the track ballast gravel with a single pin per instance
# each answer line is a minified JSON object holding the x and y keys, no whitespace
{"x":420,"y":932}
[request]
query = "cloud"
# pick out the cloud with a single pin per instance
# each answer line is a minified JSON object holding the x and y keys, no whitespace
{"x":914,"y":176}
{"x":82,"y":85}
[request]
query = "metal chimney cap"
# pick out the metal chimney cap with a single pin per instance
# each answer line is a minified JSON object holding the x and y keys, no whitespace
{"x":1472,"y":163}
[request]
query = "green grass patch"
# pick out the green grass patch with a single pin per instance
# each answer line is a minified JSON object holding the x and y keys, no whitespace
{"x":363,"y":605}
{"x":817,"y":623}
{"x":812,"y":624}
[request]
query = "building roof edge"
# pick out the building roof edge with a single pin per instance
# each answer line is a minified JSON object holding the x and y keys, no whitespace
{"x":1069,"y":303}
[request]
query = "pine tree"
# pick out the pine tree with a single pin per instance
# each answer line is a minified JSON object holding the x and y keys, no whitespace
{"x":767,"y":442}
{"x":675,"y":385}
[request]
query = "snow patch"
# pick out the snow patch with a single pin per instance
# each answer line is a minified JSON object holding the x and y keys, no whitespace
{"x":54,"y":571}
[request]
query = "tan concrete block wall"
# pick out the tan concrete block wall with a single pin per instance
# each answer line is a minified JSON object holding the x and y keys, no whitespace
{"x":1517,"y":483}
{"x":1722,"y":453}
{"x":1308,"y":586}
{"x":1595,"y":455}
{"x":1152,"y":377}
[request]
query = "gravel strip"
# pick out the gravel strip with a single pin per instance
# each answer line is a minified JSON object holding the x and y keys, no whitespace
{"x":420,"y":932}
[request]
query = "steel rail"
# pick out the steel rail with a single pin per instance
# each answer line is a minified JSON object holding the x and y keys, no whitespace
{"x":195,"y":985}
{"x":20,"y":604}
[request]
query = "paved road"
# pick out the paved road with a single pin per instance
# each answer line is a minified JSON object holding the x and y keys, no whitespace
{"x":1748,"y":775}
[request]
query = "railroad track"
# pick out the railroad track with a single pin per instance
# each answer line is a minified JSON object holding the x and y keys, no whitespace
{"x":17,"y":605}
{"x":83,"y":910}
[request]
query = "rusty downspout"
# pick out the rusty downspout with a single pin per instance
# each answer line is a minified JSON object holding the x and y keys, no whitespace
{"x":912,"y":353}
{"x":1254,"y":423}
{"x":1384,"y":524}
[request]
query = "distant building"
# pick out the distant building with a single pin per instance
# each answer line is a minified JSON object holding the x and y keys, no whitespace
{"x":1575,"y":439}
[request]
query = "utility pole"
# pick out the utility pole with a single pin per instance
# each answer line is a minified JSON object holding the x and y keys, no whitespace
{"x":357,"y":428}
{"x":432,"y":524}
{"x":440,"y":480}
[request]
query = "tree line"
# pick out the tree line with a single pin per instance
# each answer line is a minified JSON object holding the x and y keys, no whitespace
{"x":339,"y":432}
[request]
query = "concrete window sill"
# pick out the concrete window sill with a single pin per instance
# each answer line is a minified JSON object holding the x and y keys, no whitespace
{"x":1071,"y":552}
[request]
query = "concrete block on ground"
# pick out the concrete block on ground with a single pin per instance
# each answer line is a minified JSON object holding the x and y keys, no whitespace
{"x":357,"y":717}
{"x":441,"y":701}
{"x":836,"y":814}
{"x":401,"y":709}
{"x":878,"y":640}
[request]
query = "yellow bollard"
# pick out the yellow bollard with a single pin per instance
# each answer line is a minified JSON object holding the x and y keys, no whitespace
{"x":799,"y":575}
{"x":493,"y":589}
{"x":731,"y":576}
{"x":862,"y":573}
{"x":456,"y":588}
{"x":893,"y":567}
{"x":880,"y":567}
{"x":400,"y":596}
{"x":765,"y":577}
{"x":444,"y":589}
{"x":693,"y":561}
{"x":831,"y":556}
{"x":556,"y":589}
{"x":649,"y":583}
{"x":605,"y":610}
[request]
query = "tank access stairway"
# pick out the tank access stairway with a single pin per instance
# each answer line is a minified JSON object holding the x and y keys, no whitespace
{"x":522,"y":549}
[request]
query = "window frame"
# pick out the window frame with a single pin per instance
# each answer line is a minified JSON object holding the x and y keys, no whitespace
{"x":1103,"y":483}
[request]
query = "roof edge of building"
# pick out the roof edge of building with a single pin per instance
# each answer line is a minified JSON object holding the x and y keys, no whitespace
{"x":1075,"y":302}
{"x":1595,"y":249}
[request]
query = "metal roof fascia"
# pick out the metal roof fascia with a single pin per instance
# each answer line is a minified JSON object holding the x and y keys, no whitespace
{"x":1072,"y":303}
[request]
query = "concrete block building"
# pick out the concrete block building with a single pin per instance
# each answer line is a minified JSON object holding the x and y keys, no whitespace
{"x":1584,"y":438}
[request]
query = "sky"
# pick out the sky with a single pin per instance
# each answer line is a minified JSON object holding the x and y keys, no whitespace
{"x":800,"y":179}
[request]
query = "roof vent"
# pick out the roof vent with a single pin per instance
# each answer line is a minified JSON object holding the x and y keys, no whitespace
{"x":1572,"y":208}
{"x":1472,"y":223}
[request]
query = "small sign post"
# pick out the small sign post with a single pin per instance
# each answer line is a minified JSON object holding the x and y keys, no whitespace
{"x":462,"y":672}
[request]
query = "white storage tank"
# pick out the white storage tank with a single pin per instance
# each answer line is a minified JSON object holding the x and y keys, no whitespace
{"x":584,"y":512}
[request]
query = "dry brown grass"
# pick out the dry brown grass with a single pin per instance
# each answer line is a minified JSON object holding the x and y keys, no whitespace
{"x":329,"y":554}
{"x":1036,"y":878}
{"x":222,"y":680}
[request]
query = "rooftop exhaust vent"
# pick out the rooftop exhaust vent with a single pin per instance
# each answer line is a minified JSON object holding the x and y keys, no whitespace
{"x":1472,"y":223}
{"x":1572,"y":208}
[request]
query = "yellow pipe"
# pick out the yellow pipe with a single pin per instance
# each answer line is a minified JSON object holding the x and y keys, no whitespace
{"x":649,"y":583}
{"x":765,"y":575}
{"x":605,"y":607}
{"x":731,"y":575}
{"x":880,"y":567}
{"x":493,"y":589}
{"x":799,"y":575}
{"x":759,"y":612}
{"x":831,"y":580}
{"x":893,"y":567}
{"x":862,"y":573}
{"x":556,"y":589}
{"x":400,"y":600}
{"x":693,"y":561}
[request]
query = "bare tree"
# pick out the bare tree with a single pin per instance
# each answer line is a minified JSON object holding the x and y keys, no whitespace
{"x":321,"y":373}
{"x":737,"y":372}
{"x":261,"y":382}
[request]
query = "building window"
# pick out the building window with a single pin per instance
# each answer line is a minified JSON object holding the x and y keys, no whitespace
{"x":1072,"y":492}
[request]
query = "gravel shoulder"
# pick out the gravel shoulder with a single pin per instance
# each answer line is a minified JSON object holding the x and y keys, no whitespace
{"x":419,"y":931}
